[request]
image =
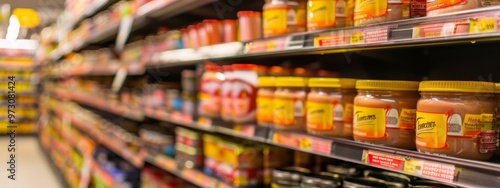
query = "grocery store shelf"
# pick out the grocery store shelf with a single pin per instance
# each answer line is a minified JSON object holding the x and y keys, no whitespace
{"x":89,"y":99}
{"x":457,"y":171}
{"x":99,"y":70}
{"x":466,"y":27}
{"x":192,"y":175}
{"x":91,"y":11}
{"x":45,"y":149}
{"x":103,"y":175}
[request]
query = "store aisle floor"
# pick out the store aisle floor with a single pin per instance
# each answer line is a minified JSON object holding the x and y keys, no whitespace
{"x":33,"y":168}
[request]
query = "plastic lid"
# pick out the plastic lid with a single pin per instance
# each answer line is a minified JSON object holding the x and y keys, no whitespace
{"x":212,"y":68}
{"x":244,"y":66}
{"x":387,"y":85}
{"x":267,"y":81}
{"x":290,"y":82}
{"x":457,"y":86}
{"x":497,"y":87}
{"x":332,"y":82}
{"x":248,"y":13}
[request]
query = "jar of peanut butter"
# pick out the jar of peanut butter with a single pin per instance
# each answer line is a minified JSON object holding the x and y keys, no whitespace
{"x":265,"y":97}
{"x":384,"y":112}
{"x":456,"y":118}
{"x":289,"y":102}
{"x":329,"y":106}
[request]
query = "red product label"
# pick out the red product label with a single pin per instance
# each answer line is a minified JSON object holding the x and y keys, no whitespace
{"x":244,"y":98}
{"x":488,"y":141}
{"x":321,"y":146}
{"x":379,"y":34}
{"x":387,"y":161}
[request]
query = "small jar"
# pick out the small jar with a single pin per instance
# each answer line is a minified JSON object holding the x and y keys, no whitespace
{"x":330,"y":106}
{"x":289,"y":102}
{"x":213,"y":29}
{"x":456,"y":118}
{"x":265,"y":97}
{"x":288,"y":177}
{"x":384,"y":112}
{"x":321,"y":14}
{"x":375,"y":11}
{"x":249,"y":25}
{"x":229,"y":32}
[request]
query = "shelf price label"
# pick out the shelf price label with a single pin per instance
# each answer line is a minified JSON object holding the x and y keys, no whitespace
{"x":305,"y":143}
{"x":357,"y":37}
{"x":483,"y":25}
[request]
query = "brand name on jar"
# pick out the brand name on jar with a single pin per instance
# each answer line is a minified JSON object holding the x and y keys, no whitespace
{"x":366,"y":117}
{"x":427,"y":125}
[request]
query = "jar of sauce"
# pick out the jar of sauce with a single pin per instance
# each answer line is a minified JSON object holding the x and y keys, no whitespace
{"x":384,"y":112}
{"x":210,"y":92}
{"x":456,"y":118}
{"x":289,"y":102}
{"x":378,"y":11}
{"x":330,"y":106}
{"x":265,"y":97}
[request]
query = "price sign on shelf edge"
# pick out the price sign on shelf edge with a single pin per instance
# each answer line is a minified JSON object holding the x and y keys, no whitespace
{"x":483,"y":25}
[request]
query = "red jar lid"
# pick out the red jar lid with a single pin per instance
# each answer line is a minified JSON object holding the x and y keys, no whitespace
{"x":248,"y":13}
{"x":244,"y":67}
{"x":212,"y":68}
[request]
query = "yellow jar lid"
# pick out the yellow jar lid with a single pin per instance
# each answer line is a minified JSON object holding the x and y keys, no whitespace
{"x":394,"y":85}
{"x":457,"y":86}
{"x":332,"y":82}
{"x":497,"y":87}
{"x":267,"y":81}
{"x":290,"y":82}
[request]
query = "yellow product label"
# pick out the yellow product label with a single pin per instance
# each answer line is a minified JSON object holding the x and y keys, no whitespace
{"x":348,"y":112}
{"x":357,"y":37}
{"x":476,"y":123}
{"x":283,"y":111}
{"x":275,"y":21}
{"x":431,"y":130}
{"x":321,"y":14}
{"x":320,"y":116}
{"x":369,"y":122}
{"x":407,"y":118}
{"x":301,"y":17}
{"x":370,"y":8}
{"x":406,"y":11}
{"x":264,"y":109}
{"x":483,"y":25}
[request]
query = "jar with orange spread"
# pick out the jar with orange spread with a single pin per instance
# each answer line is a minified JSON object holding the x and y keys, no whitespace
{"x":288,"y":104}
{"x":329,"y":106}
{"x":265,"y":97}
{"x":384,"y":112}
{"x":456,"y":118}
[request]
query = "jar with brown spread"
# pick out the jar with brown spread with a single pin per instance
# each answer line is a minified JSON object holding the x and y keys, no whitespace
{"x":329,"y":106}
{"x":265,"y":97}
{"x":456,"y":118}
{"x":289,"y":102}
{"x":384,"y":112}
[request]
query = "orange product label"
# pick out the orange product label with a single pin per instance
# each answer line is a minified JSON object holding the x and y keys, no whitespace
{"x":264,"y":109}
{"x":348,"y":112}
{"x":439,"y":4}
{"x":407,"y":118}
{"x":321,"y":13}
{"x":285,"y":111}
{"x":370,"y":8}
{"x":369,"y":122}
{"x":275,"y":21}
{"x":320,"y":115}
{"x":431,"y":129}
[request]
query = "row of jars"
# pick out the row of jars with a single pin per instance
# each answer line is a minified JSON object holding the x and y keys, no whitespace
{"x":455,"y":118}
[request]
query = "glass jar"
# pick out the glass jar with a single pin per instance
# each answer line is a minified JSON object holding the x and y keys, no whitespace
{"x":456,"y":118}
{"x":274,"y":17}
{"x":385,"y":112}
{"x":289,"y":102}
{"x":210,"y":95}
{"x":226,"y":94}
{"x":249,"y":23}
{"x":378,"y":11}
{"x":244,"y":93}
{"x":288,"y":177}
{"x":321,"y":14}
{"x":265,"y":97}
{"x":330,"y":106}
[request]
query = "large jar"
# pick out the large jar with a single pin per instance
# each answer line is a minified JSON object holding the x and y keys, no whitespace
{"x":283,"y":16}
{"x":384,"y":112}
{"x":377,"y":11}
{"x":244,"y":93}
{"x":265,"y":97}
{"x":456,"y":118}
{"x":321,"y":14}
{"x":249,"y":23}
{"x":209,"y":95}
{"x":289,"y":102}
{"x":438,"y":7}
{"x":226,"y":93}
{"x":330,"y":106}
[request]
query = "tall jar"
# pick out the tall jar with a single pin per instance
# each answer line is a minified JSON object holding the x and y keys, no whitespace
{"x":384,"y":112}
{"x":226,"y":93}
{"x":456,"y":118}
{"x":289,"y":103}
{"x":209,"y":93}
{"x":275,"y":13}
{"x":321,"y":14}
{"x":265,"y":97}
{"x":244,"y":93}
{"x":249,"y":23}
{"x":330,"y":106}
